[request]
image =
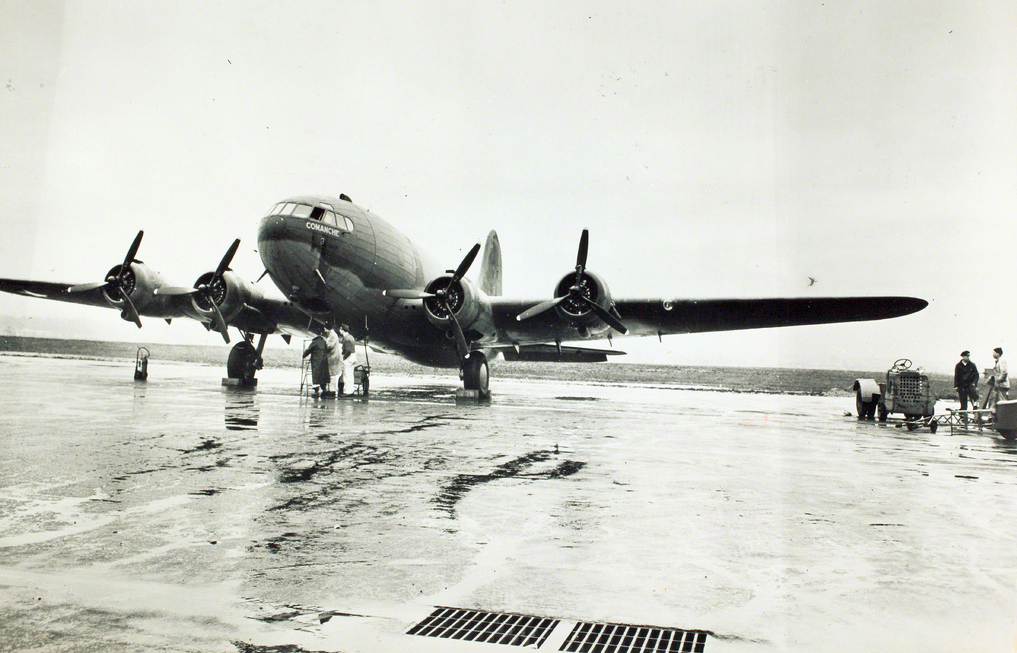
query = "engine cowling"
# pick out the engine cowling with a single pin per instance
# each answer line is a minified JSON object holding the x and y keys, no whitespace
{"x":578,"y":312}
{"x":230,"y":292}
{"x":140,"y":283}
{"x":466,"y":301}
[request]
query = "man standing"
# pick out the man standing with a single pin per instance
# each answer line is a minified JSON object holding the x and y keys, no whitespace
{"x":965,"y":379}
{"x":1000,"y":379}
{"x":349,"y":352}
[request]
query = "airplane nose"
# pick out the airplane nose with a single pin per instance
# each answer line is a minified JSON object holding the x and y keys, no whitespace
{"x":272,"y":228}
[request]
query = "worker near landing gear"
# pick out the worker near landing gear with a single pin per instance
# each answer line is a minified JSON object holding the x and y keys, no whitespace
{"x":965,"y":379}
{"x":349,"y":352}
{"x":318,"y":351}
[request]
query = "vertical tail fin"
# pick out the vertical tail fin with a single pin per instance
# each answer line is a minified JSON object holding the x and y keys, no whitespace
{"x":490,"y":267}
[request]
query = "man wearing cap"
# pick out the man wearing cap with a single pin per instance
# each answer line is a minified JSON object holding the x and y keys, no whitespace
{"x":1000,"y":381}
{"x":965,"y":379}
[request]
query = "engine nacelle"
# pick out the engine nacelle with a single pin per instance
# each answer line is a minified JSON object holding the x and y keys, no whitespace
{"x":578,"y":312}
{"x":140,"y":283}
{"x":469,"y":304}
{"x":230,"y":294}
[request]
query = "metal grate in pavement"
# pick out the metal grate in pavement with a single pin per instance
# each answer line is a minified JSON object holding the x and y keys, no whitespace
{"x":611,"y":638}
{"x":487,"y":627}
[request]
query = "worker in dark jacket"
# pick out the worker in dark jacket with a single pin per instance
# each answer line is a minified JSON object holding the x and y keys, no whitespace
{"x":965,"y":379}
{"x":318,"y":351}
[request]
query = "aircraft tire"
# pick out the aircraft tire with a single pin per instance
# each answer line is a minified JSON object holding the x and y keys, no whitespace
{"x":242,"y":361}
{"x":881,"y":411}
{"x":1008,"y":434}
{"x":476,"y":373}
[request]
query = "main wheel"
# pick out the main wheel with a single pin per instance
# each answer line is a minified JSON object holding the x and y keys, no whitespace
{"x":242,"y":362}
{"x":881,"y":411}
{"x":476,"y":373}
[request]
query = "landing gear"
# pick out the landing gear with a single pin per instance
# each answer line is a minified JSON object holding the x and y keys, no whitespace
{"x":476,"y":374}
{"x":243,"y":363}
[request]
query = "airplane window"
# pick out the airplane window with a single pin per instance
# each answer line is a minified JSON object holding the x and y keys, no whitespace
{"x":274,"y":210}
{"x":349,"y":223}
{"x":302,"y":211}
{"x":330,"y":218}
{"x":288,"y":209}
{"x":317,"y":213}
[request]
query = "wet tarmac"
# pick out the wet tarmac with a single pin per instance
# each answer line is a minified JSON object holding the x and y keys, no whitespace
{"x":179,"y":515}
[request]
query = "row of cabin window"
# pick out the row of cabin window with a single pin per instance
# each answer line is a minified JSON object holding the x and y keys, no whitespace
{"x":313,"y":213}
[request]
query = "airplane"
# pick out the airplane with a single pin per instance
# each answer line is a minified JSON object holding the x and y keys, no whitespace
{"x":335,"y":262}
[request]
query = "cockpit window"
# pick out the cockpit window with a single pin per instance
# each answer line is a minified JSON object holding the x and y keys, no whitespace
{"x":325,"y":212}
{"x":302,"y":211}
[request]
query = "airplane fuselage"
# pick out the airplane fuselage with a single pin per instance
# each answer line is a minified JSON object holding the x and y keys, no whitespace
{"x":334,"y":260}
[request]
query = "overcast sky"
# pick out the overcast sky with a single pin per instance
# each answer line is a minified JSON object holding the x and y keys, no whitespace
{"x":713,"y":149}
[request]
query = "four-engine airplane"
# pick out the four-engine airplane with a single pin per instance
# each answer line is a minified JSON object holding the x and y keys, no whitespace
{"x":335,"y":262}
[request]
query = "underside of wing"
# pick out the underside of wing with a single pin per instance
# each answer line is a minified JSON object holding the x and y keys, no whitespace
{"x":556,"y":354}
{"x":652,"y":317}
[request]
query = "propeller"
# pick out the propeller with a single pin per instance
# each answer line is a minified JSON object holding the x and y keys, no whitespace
{"x":205,"y":290}
{"x":577,"y":294}
{"x":442,"y":296}
{"x":114,"y":284}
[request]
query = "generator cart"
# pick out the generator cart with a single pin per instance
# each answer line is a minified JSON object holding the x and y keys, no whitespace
{"x":905,"y":391}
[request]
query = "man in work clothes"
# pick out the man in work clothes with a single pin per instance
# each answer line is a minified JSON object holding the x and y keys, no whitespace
{"x":965,"y":379}
{"x":349,"y":352}
{"x":1000,"y":380}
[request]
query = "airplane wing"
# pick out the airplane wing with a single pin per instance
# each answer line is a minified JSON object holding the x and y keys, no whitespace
{"x":257,"y":315}
{"x":642,"y":317}
{"x":53,"y":290}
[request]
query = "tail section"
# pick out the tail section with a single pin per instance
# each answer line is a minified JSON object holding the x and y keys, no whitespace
{"x":490,"y":268}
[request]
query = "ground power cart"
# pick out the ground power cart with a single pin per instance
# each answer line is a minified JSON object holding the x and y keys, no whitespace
{"x":905,"y":391}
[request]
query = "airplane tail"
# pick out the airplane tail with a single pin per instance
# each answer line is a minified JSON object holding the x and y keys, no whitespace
{"x":490,"y":267}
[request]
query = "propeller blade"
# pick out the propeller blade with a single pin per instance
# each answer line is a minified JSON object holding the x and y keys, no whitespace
{"x":461,"y":346}
{"x":465,"y":265}
{"x":224,"y":264}
{"x":584,"y":247}
{"x":606,"y":315}
{"x":262,"y":275}
{"x":220,"y":323}
{"x":173,"y":291}
{"x":85,"y":287}
{"x":406,"y":293}
{"x":132,"y":252}
{"x":540,"y":308}
{"x":130,"y":311}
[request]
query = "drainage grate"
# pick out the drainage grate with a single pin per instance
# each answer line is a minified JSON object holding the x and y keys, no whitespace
{"x":608,"y":638}
{"x":488,"y":627}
